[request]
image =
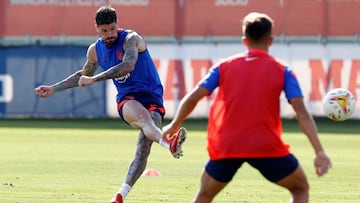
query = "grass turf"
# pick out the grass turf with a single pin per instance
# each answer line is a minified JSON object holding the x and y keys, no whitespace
{"x":85,"y":160}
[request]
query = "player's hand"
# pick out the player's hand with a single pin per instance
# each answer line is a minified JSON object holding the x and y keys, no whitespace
{"x":44,"y":91}
{"x":85,"y":81}
{"x":169,"y":130}
{"x":322,"y":163}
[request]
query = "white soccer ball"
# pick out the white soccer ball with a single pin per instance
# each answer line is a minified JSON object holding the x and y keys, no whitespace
{"x":339,"y":104}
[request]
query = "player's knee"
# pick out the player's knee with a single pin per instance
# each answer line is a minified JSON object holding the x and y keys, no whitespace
{"x":300,"y":191}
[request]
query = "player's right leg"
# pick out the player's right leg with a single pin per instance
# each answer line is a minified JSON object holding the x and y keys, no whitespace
{"x":217,"y":174}
{"x":136,"y":115}
{"x":209,"y":188}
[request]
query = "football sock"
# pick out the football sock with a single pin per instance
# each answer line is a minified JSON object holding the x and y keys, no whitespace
{"x":164,"y":144}
{"x":124,"y":190}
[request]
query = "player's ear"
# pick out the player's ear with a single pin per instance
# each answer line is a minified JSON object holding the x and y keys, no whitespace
{"x":245,"y":41}
{"x":96,"y":28}
{"x":271,"y":40}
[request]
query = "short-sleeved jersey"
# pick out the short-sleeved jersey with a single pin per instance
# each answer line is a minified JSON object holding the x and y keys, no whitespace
{"x":244,"y":119}
{"x":144,"y":78}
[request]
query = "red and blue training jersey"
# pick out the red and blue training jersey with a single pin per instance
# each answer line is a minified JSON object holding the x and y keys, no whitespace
{"x":144,"y":78}
{"x":244,"y":118}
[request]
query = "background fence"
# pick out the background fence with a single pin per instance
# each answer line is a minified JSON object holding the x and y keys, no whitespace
{"x":30,"y":66}
{"x":44,"y":41}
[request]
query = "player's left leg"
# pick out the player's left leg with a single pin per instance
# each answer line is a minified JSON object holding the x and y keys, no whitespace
{"x":297,"y":184}
{"x":286,"y":172}
{"x":138,"y":164}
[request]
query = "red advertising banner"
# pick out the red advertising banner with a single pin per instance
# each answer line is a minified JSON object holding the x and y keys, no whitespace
{"x":76,"y":17}
{"x":179,"y":18}
{"x":292,"y":18}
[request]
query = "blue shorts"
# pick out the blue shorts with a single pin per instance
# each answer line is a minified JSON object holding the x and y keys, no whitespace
{"x":149,"y":101}
{"x":273,"y":169}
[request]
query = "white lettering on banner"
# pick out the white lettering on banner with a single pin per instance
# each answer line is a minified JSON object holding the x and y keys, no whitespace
{"x":130,"y":2}
{"x":80,"y":2}
{"x":7,"y":89}
{"x":231,"y":2}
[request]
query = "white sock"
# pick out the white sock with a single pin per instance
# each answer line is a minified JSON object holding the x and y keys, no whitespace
{"x":164,"y":144}
{"x":124,"y":190}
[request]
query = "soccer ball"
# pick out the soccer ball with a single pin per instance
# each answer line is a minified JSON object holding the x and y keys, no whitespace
{"x":339,"y":104}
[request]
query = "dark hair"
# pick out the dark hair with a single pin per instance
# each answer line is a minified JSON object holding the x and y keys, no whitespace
{"x":257,"y":26}
{"x":105,"y":15}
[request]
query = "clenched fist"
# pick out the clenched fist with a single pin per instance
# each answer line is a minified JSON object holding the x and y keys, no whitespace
{"x":85,"y":81}
{"x":44,"y":91}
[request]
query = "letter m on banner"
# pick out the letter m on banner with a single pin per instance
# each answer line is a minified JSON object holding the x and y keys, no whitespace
{"x":337,"y":74}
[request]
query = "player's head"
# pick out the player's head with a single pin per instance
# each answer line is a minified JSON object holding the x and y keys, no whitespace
{"x":105,"y":15}
{"x":106,"y":23}
{"x":257,"y":29}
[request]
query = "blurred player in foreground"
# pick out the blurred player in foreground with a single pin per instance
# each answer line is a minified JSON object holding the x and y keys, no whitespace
{"x":244,"y":120}
{"x":126,"y":60}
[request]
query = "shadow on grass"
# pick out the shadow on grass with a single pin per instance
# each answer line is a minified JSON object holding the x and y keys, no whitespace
{"x":325,"y":125}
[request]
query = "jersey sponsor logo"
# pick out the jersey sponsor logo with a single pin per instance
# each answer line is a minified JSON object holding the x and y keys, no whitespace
{"x":119,"y":55}
{"x":122,"y":79}
{"x":250,"y":58}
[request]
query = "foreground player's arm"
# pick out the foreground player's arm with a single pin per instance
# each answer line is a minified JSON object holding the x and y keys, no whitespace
{"x":89,"y":69}
{"x":294,"y":95}
{"x":133,"y":44}
{"x":306,"y":123}
{"x":205,"y":87}
{"x":186,"y":106}
{"x":322,"y":162}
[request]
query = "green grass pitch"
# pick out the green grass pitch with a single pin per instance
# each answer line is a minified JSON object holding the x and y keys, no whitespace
{"x":85,"y":160}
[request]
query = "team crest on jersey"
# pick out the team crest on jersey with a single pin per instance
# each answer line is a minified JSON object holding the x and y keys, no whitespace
{"x":122,"y":79}
{"x":119,"y":55}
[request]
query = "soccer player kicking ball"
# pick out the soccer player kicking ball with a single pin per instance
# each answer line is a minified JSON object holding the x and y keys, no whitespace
{"x":126,"y":60}
{"x":244,"y":119}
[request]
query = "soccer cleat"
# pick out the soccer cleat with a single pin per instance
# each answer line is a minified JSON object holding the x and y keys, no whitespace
{"x":176,"y":143}
{"x":117,"y":198}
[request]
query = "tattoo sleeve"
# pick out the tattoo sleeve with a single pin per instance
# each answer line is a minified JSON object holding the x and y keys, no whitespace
{"x":69,"y":82}
{"x":126,"y":66}
{"x":72,"y":81}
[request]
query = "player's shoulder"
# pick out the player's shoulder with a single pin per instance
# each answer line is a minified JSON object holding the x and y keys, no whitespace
{"x":132,"y":34}
{"x":92,"y":47}
{"x":235,"y":58}
{"x":281,"y":62}
{"x":135,"y":38}
{"x":91,"y":51}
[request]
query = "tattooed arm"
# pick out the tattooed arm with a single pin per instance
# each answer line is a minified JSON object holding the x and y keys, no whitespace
{"x":133,"y":44}
{"x":89,"y":69}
